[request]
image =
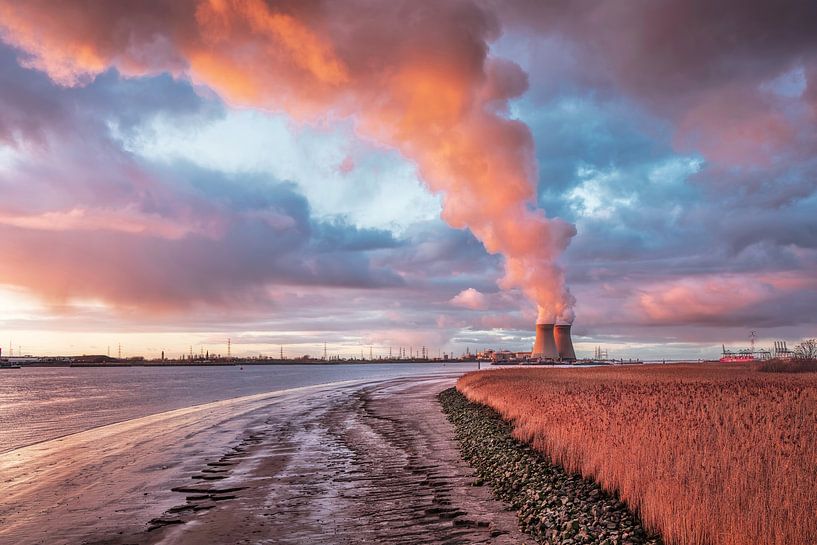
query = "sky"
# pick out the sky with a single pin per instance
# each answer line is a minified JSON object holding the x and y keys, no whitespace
{"x":406,"y":173}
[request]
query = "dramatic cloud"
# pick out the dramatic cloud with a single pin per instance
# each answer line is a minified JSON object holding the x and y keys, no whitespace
{"x":679,"y":137}
{"x":428,"y":88}
{"x":153,"y":139}
{"x":84,"y":218}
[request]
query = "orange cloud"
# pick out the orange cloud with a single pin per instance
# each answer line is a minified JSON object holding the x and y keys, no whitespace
{"x":416,"y":79}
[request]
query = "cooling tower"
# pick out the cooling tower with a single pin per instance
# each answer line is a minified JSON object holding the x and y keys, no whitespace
{"x":564,"y":346}
{"x":544,"y":346}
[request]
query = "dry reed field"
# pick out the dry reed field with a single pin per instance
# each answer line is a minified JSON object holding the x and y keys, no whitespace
{"x":708,"y":454}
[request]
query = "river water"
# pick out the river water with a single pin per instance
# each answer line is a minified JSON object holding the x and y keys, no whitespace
{"x":41,"y":403}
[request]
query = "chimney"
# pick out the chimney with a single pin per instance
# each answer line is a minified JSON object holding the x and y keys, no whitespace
{"x":545,"y":345}
{"x":564,"y":346}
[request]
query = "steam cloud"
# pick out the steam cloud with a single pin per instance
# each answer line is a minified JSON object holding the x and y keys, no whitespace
{"x":414,"y":76}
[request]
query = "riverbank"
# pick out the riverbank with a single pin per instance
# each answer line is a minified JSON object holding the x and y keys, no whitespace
{"x":553,"y":505}
{"x":363,"y":461}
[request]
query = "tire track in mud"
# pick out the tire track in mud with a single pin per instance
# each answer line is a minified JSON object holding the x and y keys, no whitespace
{"x":396,"y":495}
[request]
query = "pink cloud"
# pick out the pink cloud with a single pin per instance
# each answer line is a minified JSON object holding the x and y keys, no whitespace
{"x":429,"y":90}
{"x":469,"y":298}
{"x":125,"y":220}
{"x":701,"y":299}
{"x":347,"y":165}
{"x":736,"y":127}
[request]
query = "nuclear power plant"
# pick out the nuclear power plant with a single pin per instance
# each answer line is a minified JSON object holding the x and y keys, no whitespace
{"x":553,"y":342}
{"x":552,"y":345}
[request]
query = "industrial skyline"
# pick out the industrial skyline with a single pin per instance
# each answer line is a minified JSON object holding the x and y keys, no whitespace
{"x":542,"y":346}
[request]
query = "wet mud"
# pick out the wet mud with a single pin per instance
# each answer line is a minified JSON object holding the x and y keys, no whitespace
{"x":377,"y":464}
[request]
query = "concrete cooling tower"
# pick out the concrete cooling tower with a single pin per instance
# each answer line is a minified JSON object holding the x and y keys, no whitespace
{"x":545,"y":345}
{"x":564,"y":345}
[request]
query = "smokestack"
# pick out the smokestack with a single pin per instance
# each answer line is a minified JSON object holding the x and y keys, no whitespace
{"x":545,"y":345}
{"x":564,"y":346}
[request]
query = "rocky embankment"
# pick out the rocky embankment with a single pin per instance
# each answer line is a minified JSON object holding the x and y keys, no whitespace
{"x":553,"y":506}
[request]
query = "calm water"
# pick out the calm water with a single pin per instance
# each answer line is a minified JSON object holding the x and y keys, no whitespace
{"x":39,"y":403}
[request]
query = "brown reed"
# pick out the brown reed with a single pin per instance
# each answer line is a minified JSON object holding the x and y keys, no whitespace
{"x":708,"y":454}
{"x":790,"y":365}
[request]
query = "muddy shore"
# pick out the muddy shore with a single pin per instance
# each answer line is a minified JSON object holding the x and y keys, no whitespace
{"x":376,"y":464}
